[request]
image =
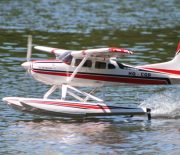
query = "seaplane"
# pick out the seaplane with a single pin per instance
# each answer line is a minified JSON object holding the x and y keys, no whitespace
{"x":94,"y":68}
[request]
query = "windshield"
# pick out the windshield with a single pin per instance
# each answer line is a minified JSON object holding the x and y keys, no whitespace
{"x":66,"y":57}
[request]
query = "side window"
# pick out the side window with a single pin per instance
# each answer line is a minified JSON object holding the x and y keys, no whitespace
{"x":77,"y":62}
{"x":88,"y":63}
{"x":100,"y":65}
{"x":111,"y":66}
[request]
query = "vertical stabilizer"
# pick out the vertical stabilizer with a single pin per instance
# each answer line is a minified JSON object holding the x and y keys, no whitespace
{"x":178,"y":48}
{"x":172,"y":66}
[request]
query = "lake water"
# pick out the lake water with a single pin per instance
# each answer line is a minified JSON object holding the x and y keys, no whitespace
{"x":150,"y":28}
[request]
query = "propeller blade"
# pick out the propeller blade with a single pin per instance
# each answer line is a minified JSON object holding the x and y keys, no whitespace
{"x":29,"y":47}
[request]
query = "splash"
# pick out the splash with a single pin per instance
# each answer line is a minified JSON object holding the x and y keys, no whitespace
{"x":164,"y":105}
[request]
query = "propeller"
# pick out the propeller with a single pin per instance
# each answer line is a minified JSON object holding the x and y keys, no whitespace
{"x":27,"y":64}
{"x":29,"y":47}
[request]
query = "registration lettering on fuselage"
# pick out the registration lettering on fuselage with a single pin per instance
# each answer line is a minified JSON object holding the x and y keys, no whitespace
{"x":142,"y":74}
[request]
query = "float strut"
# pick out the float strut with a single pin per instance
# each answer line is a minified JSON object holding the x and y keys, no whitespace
{"x":148,"y":113}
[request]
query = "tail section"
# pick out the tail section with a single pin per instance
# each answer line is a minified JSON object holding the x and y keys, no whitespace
{"x":178,"y":48}
{"x":170,"y":67}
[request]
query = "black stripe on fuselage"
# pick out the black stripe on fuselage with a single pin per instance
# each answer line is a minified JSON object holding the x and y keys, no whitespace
{"x":109,"y":75}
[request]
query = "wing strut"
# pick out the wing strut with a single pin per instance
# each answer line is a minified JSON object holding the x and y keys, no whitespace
{"x":77,"y":69}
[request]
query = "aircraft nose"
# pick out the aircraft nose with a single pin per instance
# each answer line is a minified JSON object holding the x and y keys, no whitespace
{"x":26,"y":65}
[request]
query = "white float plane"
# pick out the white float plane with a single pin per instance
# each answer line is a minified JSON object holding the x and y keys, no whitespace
{"x":94,"y":68}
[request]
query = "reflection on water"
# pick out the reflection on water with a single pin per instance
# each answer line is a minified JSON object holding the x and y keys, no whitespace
{"x":149,"y":28}
{"x":82,"y":137}
{"x":89,"y":136}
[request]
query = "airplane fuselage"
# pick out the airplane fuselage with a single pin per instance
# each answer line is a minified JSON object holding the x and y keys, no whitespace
{"x":96,"y":73}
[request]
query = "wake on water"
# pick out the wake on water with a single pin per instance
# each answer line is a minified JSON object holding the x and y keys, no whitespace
{"x":164,"y":105}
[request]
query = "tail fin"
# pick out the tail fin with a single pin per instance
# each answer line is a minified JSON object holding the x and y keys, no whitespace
{"x":178,"y":48}
{"x":172,"y":67}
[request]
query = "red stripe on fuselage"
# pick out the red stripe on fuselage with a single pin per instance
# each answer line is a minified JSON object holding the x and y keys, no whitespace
{"x":177,"y":72}
{"x":108,"y":78}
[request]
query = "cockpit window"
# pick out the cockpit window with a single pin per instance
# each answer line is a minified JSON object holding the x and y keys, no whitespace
{"x":66,"y":58}
{"x":63,"y":55}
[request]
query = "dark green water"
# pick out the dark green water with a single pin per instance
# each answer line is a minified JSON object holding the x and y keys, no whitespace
{"x":150,"y":28}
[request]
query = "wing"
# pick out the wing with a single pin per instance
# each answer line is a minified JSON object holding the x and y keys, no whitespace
{"x":52,"y":50}
{"x":102,"y":52}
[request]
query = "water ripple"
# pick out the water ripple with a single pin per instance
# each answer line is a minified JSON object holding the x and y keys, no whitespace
{"x":85,"y":16}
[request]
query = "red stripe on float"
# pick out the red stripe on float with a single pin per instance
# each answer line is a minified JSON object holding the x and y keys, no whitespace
{"x":72,"y":105}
